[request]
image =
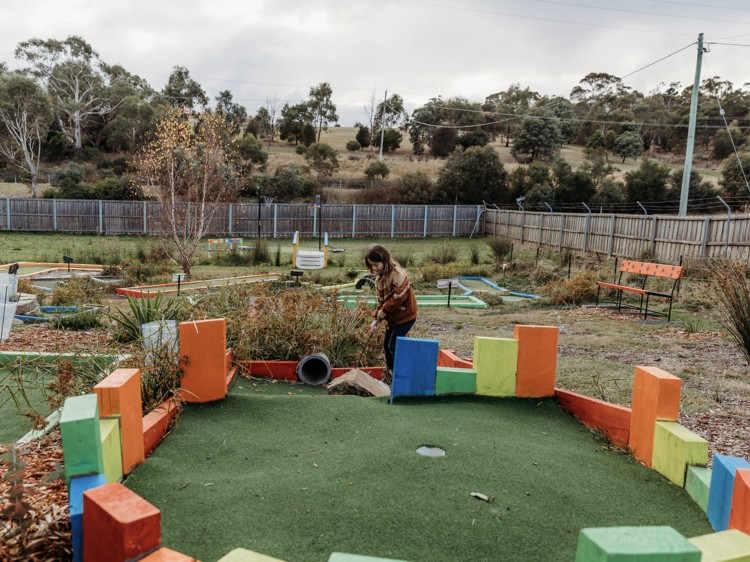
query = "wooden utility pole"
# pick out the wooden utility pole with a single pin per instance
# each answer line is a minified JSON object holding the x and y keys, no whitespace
{"x":691,"y":131}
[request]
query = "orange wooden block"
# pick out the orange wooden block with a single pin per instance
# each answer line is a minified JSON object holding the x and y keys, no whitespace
{"x":739,"y":516}
{"x":203,"y":358}
{"x":656,"y":396}
{"x":118,"y":525}
{"x":156,"y":423}
{"x":614,"y":420}
{"x":119,"y":396}
{"x":167,"y":555}
{"x":446,"y":357}
{"x":537,"y":360}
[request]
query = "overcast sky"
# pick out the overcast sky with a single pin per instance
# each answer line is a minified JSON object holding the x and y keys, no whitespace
{"x":471,"y":48}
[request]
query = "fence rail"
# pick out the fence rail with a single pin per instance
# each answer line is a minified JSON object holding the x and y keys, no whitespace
{"x":667,"y":237}
{"x":277,"y":220}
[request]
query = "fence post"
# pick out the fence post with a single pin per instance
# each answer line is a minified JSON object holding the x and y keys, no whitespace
{"x":495,"y":219}
{"x":393,"y":218}
{"x":315,"y":220}
{"x":145,"y":228}
{"x":586,"y":230}
{"x":611,"y":236}
{"x":507,"y":223}
{"x":562,"y":224}
{"x":101,"y":222}
{"x":54,"y":215}
{"x":7,"y":213}
{"x":354,"y":220}
{"x":541,"y":221}
{"x":523,"y":217}
{"x":230,"y":219}
{"x":275,"y":217}
{"x":705,"y":236}
{"x":424,"y":235}
{"x":653,"y":237}
{"x":455,"y":210}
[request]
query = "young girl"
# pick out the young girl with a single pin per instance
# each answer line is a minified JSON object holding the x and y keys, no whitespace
{"x":397,"y":304}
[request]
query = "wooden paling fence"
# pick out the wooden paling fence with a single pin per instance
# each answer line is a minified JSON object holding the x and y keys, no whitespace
{"x":668,"y":237}
{"x":276,"y":220}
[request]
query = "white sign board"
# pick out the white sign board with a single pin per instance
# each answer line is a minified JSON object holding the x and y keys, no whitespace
{"x":445,"y":283}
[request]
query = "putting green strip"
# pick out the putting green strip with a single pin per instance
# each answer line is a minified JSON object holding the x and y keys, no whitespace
{"x":371,"y":494}
{"x":423,"y":301}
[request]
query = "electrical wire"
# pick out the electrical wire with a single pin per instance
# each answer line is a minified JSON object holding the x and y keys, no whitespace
{"x":541,"y":19}
{"x":699,"y":5}
{"x":661,"y":59}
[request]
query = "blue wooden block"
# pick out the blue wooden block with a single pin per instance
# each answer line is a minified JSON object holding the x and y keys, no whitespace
{"x":414,"y":367}
{"x":75,"y":493}
{"x":720,"y":493}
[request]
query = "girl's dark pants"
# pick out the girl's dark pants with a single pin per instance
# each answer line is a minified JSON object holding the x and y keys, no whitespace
{"x":389,"y":340}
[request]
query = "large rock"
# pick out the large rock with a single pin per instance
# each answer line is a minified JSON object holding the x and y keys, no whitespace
{"x":358,"y":383}
{"x":27,"y":304}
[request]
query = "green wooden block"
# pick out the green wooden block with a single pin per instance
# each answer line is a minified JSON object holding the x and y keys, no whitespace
{"x":635,"y":544}
{"x":495,"y":362}
{"x":455,"y":380}
{"x":341,"y":557}
{"x":111,"y":449}
{"x":244,"y":555}
{"x":698,"y":484}
{"x":81,"y":436}
{"x":726,"y":546}
{"x":676,"y":448}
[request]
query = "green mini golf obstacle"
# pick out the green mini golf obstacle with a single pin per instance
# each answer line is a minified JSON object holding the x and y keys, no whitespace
{"x":423,"y":301}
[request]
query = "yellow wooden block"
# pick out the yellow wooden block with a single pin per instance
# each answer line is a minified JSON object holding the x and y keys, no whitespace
{"x":495,"y":362}
{"x":243,"y":555}
{"x":726,"y":546}
{"x":111,"y":449}
{"x":676,"y":448}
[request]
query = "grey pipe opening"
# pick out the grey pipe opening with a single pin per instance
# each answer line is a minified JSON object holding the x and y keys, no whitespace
{"x":314,"y":369}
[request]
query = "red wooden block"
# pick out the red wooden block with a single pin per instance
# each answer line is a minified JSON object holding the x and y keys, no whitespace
{"x":119,"y":525}
{"x":614,"y":420}
{"x":167,"y":555}
{"x":739,"y":516}
{"x":156,"y":423}
{"x":283,"y":370}
{"x":537,"y":360}
{"x":656,"y":396}
{"x":119,"y":396}
{"x":446,"y":357}
{"x":203,"y":358}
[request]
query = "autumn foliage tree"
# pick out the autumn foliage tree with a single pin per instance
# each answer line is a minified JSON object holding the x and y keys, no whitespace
{"x":188,"y":169}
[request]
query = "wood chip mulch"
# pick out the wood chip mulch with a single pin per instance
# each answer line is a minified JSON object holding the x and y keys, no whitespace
{"x":40,"y":338}
{"x":726,"y":434}
{"x":49,"y":536}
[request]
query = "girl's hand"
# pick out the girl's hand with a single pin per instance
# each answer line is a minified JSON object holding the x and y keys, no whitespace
{"x":374,"y":326}
{"x":381,"y":314}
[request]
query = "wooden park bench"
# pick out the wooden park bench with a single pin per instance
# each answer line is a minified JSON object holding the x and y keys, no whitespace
{"x":647,"y":270}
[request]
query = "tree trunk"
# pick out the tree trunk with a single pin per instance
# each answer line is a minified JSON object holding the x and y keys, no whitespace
{"x":33,"y":185}
{"x":77,"y":119}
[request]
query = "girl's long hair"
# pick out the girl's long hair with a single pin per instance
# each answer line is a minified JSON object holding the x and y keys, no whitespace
{"x":379,"y":254}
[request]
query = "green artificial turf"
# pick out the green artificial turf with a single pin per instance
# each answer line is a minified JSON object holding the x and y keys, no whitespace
{"x":13,"y":425}
{"x":372,"y":494}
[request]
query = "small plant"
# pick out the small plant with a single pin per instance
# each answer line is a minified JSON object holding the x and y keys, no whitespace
{"x":376,"y":170}
{"x":475,"y":254}
{"x":734,"y":302}
{"x":277,"y":257}
{"x":353,"y":146}
{"x":501,"y":247}
{"x":579,"y":289}
{"x":85,"y":320}
{"x":404,"y":258}
{"x":301,"y":149}
{"x":260,"y":253}
{"x":142,"y":311}
{"x":692,"y":325}
{"x":443,"y":254}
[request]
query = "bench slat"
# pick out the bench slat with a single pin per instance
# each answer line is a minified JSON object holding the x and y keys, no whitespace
{"x":653,"y":269}
{"x":622,"y":288}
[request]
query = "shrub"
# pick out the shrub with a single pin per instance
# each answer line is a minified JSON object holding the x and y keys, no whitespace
{"x":77,"y":291}
{"x":261,"y":254}
{"x":500,"y":247}
{"x":391,"y":140}
{"x":648,"y":182}
{"x":579,"y":289}
{"x":120,"y":165}
{"x":732,"y":181}
{"x":473,"y":175}
{"x":142,"y":311}
{"x":734,"y":303}
{"x":443,"y":142}
{"x":377,"y":169}
{"x":475,"y":254}
{"x":307,"y":188}
{"x":404,"y":258}
{"x":287,"y":183}
{"x":300,"y":149}
{"x":443,"y":254}
{"x":322,"y":158}
{"x":353,"y":146}
{"x":363,"y":136}
{"x":415,"y":188}
{"x":85,"y":320}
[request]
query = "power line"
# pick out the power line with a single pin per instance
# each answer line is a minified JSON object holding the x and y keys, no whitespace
{"x":661,"y":59}
{"x":541,"y":19}
{"x":637,"y":12}
{"x":699,"y":5}
{"x":730,"y":44}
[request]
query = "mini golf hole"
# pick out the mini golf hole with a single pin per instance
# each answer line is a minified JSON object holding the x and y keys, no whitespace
{"x":431,"y":451}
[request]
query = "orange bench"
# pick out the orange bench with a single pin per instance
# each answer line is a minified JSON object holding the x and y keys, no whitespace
{"x":647,"y":270}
